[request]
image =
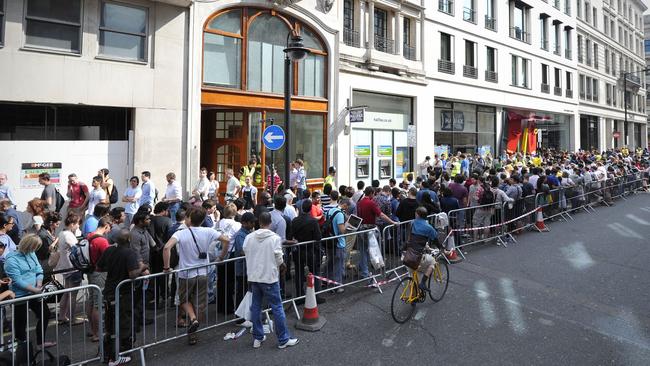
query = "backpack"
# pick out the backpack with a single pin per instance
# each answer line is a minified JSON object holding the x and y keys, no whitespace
{"x":487,"y":197}
{"x":80,"y":256}
{"x":328,"y":226}
{"x":114,"y":197}
{"x":60,"y":201}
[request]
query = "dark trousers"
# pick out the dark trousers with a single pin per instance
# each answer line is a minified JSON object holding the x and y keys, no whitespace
{"x":127,"y":336}
{"x":307,"y":257}
{"x":42,"y":313}
{"x":241,"y":286}
{"x":225,"y":287}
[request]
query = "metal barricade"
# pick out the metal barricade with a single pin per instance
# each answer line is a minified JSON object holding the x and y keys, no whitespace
{"x":396,"y":235}
{"x":476,"y":224}
{"x":32,"y":314}
{"x":137,"y":321}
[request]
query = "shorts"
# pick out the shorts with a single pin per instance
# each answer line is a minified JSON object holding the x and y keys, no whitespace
{"x":98,"y":279}
{"x":193,"y":290}
{"x":426,"y":262}
{"x":482,"y":218}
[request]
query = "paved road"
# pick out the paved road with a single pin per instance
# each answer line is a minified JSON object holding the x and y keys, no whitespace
{"x":578,"y":295}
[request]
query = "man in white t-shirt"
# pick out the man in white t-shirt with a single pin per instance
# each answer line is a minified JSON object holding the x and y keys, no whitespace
{"x":194,"y":244}
{"x":200,"y":191}
{"x":96,"y":195}
{"x":132,"y":198}
{"x":173,"y":195}
{"x":233,"y":187}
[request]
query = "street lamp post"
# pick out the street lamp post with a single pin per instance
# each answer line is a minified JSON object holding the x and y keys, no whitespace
{"x":625,"y":74}
{"x":295,"y":51}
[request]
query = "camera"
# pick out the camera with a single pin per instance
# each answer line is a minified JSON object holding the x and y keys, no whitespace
{"x":203,"y":255}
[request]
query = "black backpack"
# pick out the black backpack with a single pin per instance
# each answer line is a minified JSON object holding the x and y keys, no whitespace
{"x":114,"y":197}
{"x":487,"y":198}
{"x":60,"y":201}
{"x":328,"y":226}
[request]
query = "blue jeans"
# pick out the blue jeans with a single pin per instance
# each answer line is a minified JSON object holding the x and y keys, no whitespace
{"x":362,"y":247}
{"x":270,"y":291}
{"x":173,"y":208}
{"x":339,"y":264}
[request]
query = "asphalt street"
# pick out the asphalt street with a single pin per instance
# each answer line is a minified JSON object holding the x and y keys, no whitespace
{"x":578,"y":295}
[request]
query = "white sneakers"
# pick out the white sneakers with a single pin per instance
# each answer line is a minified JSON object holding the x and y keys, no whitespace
{"x":258,"y":343}
{"x":290,"y":343}
{"x":120,"y":361}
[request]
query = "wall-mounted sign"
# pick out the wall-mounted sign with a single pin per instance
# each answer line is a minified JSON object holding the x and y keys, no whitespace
{"x":356,"y":115}
{"x":484,"y":150}
{"x":385,"y":150}
{"x":441,"y":150}
{"x":29,"y":174}
{"x":361,"y":150}
{"x":616,"y":134}
{"x":411,"y":137}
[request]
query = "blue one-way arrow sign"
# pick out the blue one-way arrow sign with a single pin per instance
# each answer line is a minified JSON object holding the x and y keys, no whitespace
{"x":273,"y":137}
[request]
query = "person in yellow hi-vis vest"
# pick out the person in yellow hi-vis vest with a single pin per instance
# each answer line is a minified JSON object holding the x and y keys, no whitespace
{"x":455,"y":167}
{"x":331,"y":175}
{"x":247,"y":171}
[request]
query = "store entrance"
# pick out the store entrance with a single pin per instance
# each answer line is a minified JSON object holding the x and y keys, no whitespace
{"x":224,"y":140}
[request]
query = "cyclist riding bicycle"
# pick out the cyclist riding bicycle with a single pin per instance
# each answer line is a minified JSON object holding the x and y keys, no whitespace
{"x":416,"y":249}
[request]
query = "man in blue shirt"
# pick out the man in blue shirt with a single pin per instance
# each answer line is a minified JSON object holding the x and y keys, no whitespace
{"x":148,"y":190}
{"x":421,"y":234}
{"x":90,"y":225}
{"x":336,"y":251}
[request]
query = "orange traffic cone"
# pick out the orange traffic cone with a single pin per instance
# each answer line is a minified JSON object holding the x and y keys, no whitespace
{"x":539,"y":222}
{"x":310,"y":320}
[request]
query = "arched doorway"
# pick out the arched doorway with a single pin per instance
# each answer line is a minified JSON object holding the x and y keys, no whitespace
{"x":242,"y":90}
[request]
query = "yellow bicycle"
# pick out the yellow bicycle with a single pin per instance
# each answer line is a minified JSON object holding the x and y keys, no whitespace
{"x":408,"y":292}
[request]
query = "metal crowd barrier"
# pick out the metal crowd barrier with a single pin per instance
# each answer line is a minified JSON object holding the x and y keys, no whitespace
{"x":144,"y":314}
{"x":36,"y":315}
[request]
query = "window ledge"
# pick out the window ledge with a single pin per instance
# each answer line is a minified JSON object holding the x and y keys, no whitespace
{"x":50,"y":51}
{"x":117,"y":59}
{"x":520,"y":87}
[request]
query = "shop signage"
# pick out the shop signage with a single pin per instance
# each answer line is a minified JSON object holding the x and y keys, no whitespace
{"x":356,"y":115}
{"x":616,"y":134}
{"x":457,"y":124}
{"x":362,"y":150}
{"x":441,"y":150}
{"x":29,"y":174}
{"x":273,"y":137}
{"x":382,"y":121}
{"x":484,"y":150}
{"x":385,"y":150}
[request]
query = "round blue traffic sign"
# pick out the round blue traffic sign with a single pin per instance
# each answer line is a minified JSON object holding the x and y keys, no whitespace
{"x":273,"y":137}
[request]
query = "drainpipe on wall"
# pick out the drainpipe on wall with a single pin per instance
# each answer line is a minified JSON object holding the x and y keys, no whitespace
{"x":189,"y":147}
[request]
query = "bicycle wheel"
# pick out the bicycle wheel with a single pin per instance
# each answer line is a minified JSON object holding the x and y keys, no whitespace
{"x":401,"y":308}
{"x":438,"y":286}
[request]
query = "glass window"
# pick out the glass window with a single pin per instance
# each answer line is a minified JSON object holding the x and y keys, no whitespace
{"x":311,"y":81}
{"x":544,"y":74}
{"x":228,"y":22}
{"x":123,"y":32}
{"x":463,"y":126}
{"x":54,"y":25}
{"x":306,"y":142}
{"x":266,"y":42}
{"x":31,"y":122}
{"x":221,"y":60}
{"x":348,"y":14}
{"x":469,"y":53}
{"x":445,"y":47}
{"x":491,"y":59}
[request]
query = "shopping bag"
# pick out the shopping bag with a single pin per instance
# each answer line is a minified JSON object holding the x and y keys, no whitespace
{"x":374,"y":252}
{"x":244,"y":308}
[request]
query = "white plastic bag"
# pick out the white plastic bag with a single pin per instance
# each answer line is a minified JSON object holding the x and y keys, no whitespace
{"x":244,"y":308}
{"x":374,"y":252}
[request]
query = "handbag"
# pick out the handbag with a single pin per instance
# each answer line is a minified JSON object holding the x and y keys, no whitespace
{"x":244,"y":309}
{"x":50,"y":286}
{"x":412,"y":258}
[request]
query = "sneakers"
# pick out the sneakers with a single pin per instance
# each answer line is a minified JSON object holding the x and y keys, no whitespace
{"x":290,"y":343}
{"x":247,"y":324}
{"x":122,"y":360}
{"x":257,"y":343}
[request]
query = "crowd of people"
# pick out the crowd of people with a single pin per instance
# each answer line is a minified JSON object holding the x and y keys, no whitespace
{"x":140,"y":234}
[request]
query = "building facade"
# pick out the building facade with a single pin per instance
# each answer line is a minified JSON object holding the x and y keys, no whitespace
{"x":176,"y":85}
{"x":92,"y":84}
{"x":611,"y":81}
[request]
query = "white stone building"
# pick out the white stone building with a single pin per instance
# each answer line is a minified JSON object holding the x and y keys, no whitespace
{"x":610,"y":40}
{"x":93,"y":84}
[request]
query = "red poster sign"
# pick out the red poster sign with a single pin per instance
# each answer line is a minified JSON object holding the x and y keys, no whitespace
{"x":616,"y":134}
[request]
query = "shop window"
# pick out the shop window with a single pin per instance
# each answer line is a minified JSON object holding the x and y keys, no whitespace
{"x":123,"y":31}
{"x":464,"y":127}
{"x":226,"y":41}
{"x":53,"y":25}
{"x":31,"y":122}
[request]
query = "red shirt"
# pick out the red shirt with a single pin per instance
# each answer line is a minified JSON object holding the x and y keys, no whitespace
{"x":317,"y":211}
{"x":368,"y":210}
{"x":98,"y":246}
{"x":78,"y":194}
